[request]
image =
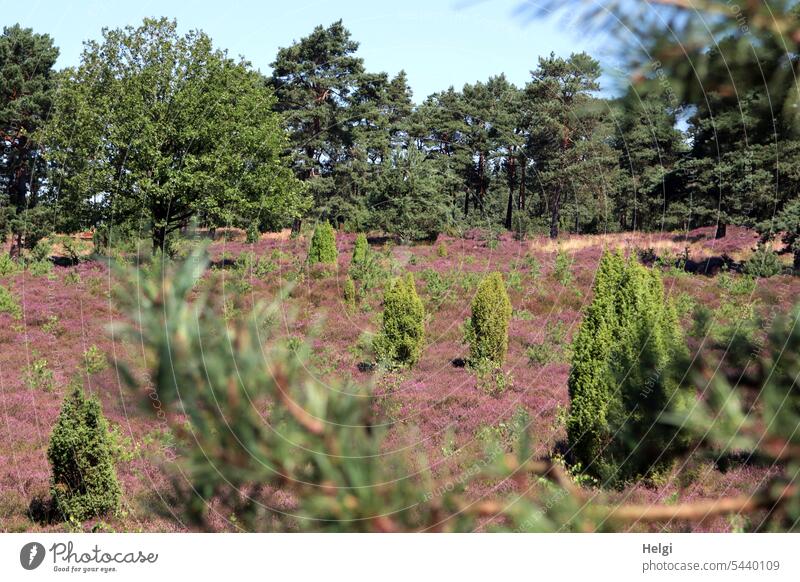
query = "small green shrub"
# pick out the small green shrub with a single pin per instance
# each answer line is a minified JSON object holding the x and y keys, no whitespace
{"x":763,"y":263}
{"x":622,"y":378}
{"x":84,"y":481}
{"x":9,"y":303}
{"x":515,"y":281}
{"x":486,"y":331}
{"x":323,"y":245}
{"x":72,"y":278}
{"x":441,"y":250}
{"x":562,"y":270}
{"x":253,"y":234}
{"x":349,"y":294}
{"x":94,"y":360}
{"x":40,"y":268}
{"x":72,"y":248}
{"x":554,"y":348}
{"x":8,"y":266}
{"x":521,"y":225}
{"x":491,"y":378}
{"x":402,"y":335}
{"x":370,"y":272}
{"x":53,"y":325}
{"x":437,"y":286}
{"x":38,"y":375}
{"x":42,"y":250}
{"x":360,"y":250}
{"x":533,"y":265}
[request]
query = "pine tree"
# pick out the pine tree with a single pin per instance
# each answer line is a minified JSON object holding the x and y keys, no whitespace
{"x":84,"y":481}
{"x":323,"y":245}
{"x":487,"y":329}
{"x":27,"y":81}
{"x":402,"y":334}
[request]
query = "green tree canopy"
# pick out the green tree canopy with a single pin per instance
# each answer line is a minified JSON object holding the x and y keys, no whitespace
{"x":27,"y":80}
{"x":157,"y":128}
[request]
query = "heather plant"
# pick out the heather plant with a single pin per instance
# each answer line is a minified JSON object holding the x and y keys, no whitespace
{"x":323,"y":245}
{"x":402,"y":334}
{"x":486,"y":331}
{"x":360,"y":250}
{"x":9,"y":303}
{"x":331,"y":458}
{"x":763,"y":263}
{"x":84,"y":480}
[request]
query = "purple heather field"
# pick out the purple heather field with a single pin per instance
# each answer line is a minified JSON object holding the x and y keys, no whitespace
{"x":439,"y":407}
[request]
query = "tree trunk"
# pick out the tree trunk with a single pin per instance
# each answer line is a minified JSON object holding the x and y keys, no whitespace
{"x":16,"y":245}
{"x":796,"y":263}
{"x":481,"y":190}
{"x":555,"y":215}
{"x":296,"y":224}
{"x":512,"y":170}
{"x":521,"y":199}
{"x":722,"y":230}
{"x":466,"y":203}
{"x":509,"y":208}
{"x":159,"y":237}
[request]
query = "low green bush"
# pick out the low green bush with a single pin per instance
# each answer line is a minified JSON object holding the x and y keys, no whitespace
{"x":763,"y":263}
{"x":486,"y":331}
{"x":84,"y":480}
{"x":323,"y":245}
{"x":9,"y":303}
{"x":402,"y":335}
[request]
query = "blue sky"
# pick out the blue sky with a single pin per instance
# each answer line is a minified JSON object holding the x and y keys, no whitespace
{"x":438,"y":42}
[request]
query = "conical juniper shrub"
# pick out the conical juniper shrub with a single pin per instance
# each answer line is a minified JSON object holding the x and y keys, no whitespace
{"x":646,"y":382}
{"x":622,"y":378}
{"x":360,"y":249}
{"x":323,"y":245}
{"x":349,"y":295}
{"x":84,"y":481}
{"x":588,"y":383}
{"x":486,"y":331}
{"x":402,"y":336}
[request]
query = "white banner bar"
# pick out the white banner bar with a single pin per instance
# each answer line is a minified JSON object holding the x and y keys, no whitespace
{"x":401,"y":557}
